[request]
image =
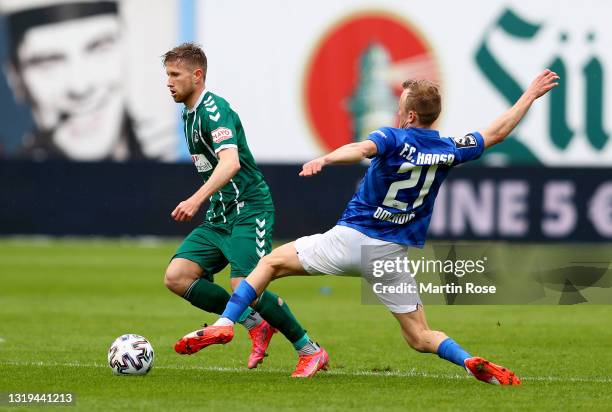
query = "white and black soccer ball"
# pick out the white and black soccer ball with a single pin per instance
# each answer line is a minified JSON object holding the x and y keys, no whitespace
{"x":131,"y":355}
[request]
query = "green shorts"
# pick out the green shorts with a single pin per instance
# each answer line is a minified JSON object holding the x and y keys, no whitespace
{"x":241,"y":244}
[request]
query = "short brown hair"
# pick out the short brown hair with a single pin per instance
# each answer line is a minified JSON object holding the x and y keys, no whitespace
{"x":189,"y":53}
{"x":424,"y":98}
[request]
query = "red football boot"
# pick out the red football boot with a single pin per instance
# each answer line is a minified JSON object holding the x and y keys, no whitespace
{"x":260,"y":338}
{"x":309,"y":365}
{"x":488,"y":372}
{"x":201,"y":338}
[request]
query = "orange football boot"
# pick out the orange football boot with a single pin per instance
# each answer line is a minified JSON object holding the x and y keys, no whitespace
{"x":488,"y":372}
{"x":309,"y":365}
{"x":201,"y":338}
{"x":260,"y":338}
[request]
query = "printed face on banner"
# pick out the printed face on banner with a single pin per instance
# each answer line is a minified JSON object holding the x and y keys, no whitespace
{"x":82,"y":82}
{"x":71,"y":73}
{"x":354,"y":78}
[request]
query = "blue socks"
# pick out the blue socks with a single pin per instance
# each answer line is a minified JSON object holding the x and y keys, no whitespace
{"x":452,"y":352}
{"x":242,"y":297}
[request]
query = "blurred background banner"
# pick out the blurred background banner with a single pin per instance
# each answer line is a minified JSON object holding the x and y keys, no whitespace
{"x":313,"y":75}
{"x":518,"y":204}
{"x":82,"y":82}
{"x":325,"y":73}
{"x":305,"y":77}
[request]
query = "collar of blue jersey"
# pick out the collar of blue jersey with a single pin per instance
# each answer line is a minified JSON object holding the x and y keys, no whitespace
{"x":195,"y":106}
{"x":426,"y":132}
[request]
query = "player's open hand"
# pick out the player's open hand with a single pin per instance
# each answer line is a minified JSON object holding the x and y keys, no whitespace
{"x":186,"y":210}
{"x":313,"y":167}
{"x":545,"y":81}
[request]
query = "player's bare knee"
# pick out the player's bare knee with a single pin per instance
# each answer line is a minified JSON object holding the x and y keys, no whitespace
{"x":273,"y":264}
{"x":177,"y":279}
{"x":181,"y":273}
{"x":172,"y":280}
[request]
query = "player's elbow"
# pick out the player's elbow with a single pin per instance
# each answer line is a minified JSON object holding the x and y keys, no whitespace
{"x":493,"y":137}
{"x":500,"y":136}
{"x":368,"y":149}
{"x":229,"y":160}
{"x":359,"y":151}
{"x":365,"y":153}
{"x":233,"y":166}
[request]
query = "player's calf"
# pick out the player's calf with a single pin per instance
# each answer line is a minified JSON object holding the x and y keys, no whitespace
{"x":416,"y":332}
{"x":423,"y":340}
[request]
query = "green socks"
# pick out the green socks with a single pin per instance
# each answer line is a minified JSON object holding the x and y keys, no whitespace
{"x":305,"y":346}
{"x":207,"y":296}
{"x":210,"y":297}
{"x":276,"y":312}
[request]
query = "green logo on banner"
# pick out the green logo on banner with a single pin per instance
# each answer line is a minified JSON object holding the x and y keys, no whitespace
{"x":560,"y":132}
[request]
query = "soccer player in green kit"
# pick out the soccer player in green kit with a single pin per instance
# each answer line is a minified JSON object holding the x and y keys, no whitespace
{"x":237,"y":228}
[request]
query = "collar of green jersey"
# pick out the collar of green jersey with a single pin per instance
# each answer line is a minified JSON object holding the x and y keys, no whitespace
{"x":195,"y":106}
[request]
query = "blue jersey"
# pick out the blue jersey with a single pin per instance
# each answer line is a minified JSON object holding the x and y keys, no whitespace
{"x":395,"y":199}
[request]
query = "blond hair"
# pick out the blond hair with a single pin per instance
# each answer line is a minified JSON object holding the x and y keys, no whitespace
{"x":423,"y":98}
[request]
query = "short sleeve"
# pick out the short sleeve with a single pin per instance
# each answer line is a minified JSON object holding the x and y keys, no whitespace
{"x":223,"y":130}
{"x":468,"y":147}
{"x":384,"y":140}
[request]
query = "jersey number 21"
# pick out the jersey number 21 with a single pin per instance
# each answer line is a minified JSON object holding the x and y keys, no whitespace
{"x":412,"y":181}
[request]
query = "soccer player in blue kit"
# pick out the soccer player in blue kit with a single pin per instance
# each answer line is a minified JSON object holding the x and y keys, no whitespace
{"x":389,"y":212}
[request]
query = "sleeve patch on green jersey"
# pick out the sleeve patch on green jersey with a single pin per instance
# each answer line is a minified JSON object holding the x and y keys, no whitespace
{"x":211,"y":107}
{"x":220,"y":134}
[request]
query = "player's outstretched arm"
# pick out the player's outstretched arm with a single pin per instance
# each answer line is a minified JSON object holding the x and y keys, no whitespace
{"x":504,"y":124}
{"x":228,"y":166}
{"x":347,"y":154}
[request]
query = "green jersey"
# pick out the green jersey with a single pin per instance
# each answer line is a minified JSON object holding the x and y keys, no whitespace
{"x":210,"y":127}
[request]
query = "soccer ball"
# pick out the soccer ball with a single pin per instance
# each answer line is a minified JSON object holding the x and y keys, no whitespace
{"x":130,"y":355}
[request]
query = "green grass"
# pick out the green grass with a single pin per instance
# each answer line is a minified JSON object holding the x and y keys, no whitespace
{"x":62,"y":303}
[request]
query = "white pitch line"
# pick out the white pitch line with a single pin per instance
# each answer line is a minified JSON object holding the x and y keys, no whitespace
{"x":2,"y":340}
{"x":412,"y":373}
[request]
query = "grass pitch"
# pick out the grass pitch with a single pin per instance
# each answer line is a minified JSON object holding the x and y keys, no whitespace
{"x":62,"y":303}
